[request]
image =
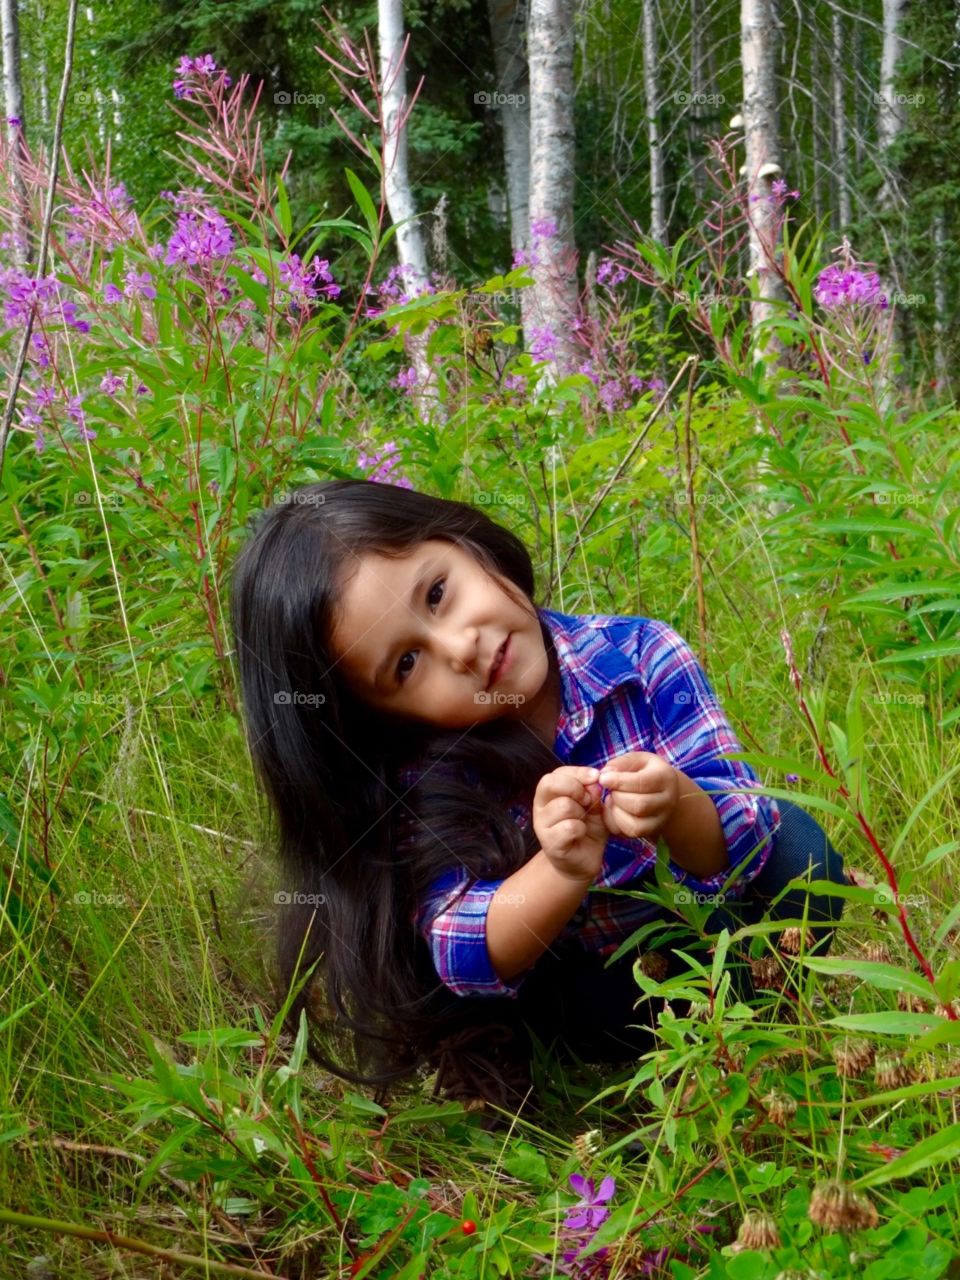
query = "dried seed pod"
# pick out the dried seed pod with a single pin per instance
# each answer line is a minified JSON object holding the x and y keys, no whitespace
{"x":654,"y":965}
{"x":586,"y":1145}
{"x":792,"y":941}
{"x":853,"y":1057}
{"x":767,"y":972}
{"x":891,"y":1072}
{"x":758,"y":1230}
{"x":835,"y":1206}
{"x":942,"y":1011}
{"x":876,"y":952}
{"x":780,"y":1106}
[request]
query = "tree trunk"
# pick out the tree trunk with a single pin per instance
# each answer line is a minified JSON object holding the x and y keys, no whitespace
{"x":890,"y":121}
{"x":837,"y":72}
{"x":758,"y":35}
{"x":13,"y":103}
{"x":816,"y":128}
{"x":941,"y":316}
{"x":554,"y":301}
{"x":658,"y":216}
{"x":507,"y":26}
{"x":699,"y":36}
{"x":889,"y":115}
{"x":409,"y":238}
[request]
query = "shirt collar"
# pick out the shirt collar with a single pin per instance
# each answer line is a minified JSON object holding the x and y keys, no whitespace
{"x":589,"y":670}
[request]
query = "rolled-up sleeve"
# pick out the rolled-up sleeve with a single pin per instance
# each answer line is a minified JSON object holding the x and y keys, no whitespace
{"x":452,"y":919}
{"x":692,"y":731}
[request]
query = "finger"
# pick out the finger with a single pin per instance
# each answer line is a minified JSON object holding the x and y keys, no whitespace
{"x":629,"y":762}
{"x":638,"y":804}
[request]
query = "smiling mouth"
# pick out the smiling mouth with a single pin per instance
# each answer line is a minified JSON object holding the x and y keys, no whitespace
{"x":498,"y":658}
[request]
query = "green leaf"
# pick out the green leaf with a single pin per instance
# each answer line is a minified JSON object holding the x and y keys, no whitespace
{"x":283,"y":210}
{"x":887,"y":976}
{"x":888,"y":1023}
{"x":920,"y":652}
{"x":367,"y":207}
{"x":933,"y":1150}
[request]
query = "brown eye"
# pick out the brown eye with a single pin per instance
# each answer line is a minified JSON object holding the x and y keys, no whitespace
{"x":402,"y":675}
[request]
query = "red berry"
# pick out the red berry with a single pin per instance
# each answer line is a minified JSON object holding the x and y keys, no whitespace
{"x":468,"y":1227}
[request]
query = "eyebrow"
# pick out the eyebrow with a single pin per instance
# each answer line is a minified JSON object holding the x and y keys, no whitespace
{"x":418,"y":586}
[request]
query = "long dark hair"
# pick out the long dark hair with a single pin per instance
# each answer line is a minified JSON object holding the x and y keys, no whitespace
{"x":357,"y":847}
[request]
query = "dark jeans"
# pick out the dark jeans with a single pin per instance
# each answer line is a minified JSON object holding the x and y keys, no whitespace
{"x":573,"y":1003}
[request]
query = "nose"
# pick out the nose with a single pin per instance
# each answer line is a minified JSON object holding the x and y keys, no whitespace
{"x":459,"y":645}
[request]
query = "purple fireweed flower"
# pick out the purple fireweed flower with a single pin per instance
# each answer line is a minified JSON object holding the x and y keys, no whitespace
{"x":199,"y":239}
{"x":393,"y":288}
{"x":104,"y":216}
{"x":837,"y":288}
{"x":14,"y":122}
{"x":111,"y":293}
{"x":301,"y":281}
{"x":515,"y":382}
{"x":381,"y":466}
{"x":543,"y":343}
{"x":525,"y":258}
{"x":543,"y":228}
{"x":39,"y":443}
{"x":41,"y":298}
{"x":111,"y":383}
{"x":610,"y":273}
{"x":793,"y":777}
{"x":76,"y":413}
{"x":611,"y":394}
{"x":586,"y":368}
{"x":44,"y":397}
{"x":406,"y":380}
{"x":780,"y":192}
{"x":193,"y":72}
{"x":141,"y":389}
{"x":139,"y":284}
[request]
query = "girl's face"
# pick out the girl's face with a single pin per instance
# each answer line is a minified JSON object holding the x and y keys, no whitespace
{"x":418,"y":638}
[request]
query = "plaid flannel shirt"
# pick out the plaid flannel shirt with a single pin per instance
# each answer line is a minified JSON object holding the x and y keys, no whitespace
{"x":628,"y":684}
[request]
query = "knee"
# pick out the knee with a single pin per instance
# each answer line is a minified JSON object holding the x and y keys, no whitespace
{"x":802,"y":850}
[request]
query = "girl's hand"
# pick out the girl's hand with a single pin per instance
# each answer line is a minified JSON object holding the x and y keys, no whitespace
{"x":568,"y":821}
{"x":643,"y":793}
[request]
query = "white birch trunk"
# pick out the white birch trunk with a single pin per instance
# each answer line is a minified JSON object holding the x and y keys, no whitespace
{"x":507,"y":25}
{"x":409,"y":238}
{"x":837,"y":72}
{"x":44,"y":94}
{"x":758,"y":36}
{"x":889,"y":114}
{"x":554,"y":301}
{"x":890,"y":121}
{"x":819,"y":148}
{"x":13,"y":104}
{"x":658,"y":216}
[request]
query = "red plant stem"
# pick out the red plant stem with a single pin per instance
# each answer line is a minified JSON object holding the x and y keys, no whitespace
{"x":889,"y":872}
{"x":318,"y":1181}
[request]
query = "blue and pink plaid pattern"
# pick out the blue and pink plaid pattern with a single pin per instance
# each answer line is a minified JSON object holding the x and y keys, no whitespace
{"x":629,"y":684}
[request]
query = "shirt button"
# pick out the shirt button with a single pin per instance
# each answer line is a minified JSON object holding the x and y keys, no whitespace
{"x":579,"y":720}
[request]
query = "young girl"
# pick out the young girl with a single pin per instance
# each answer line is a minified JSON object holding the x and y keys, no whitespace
{"x":431,"y":744}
